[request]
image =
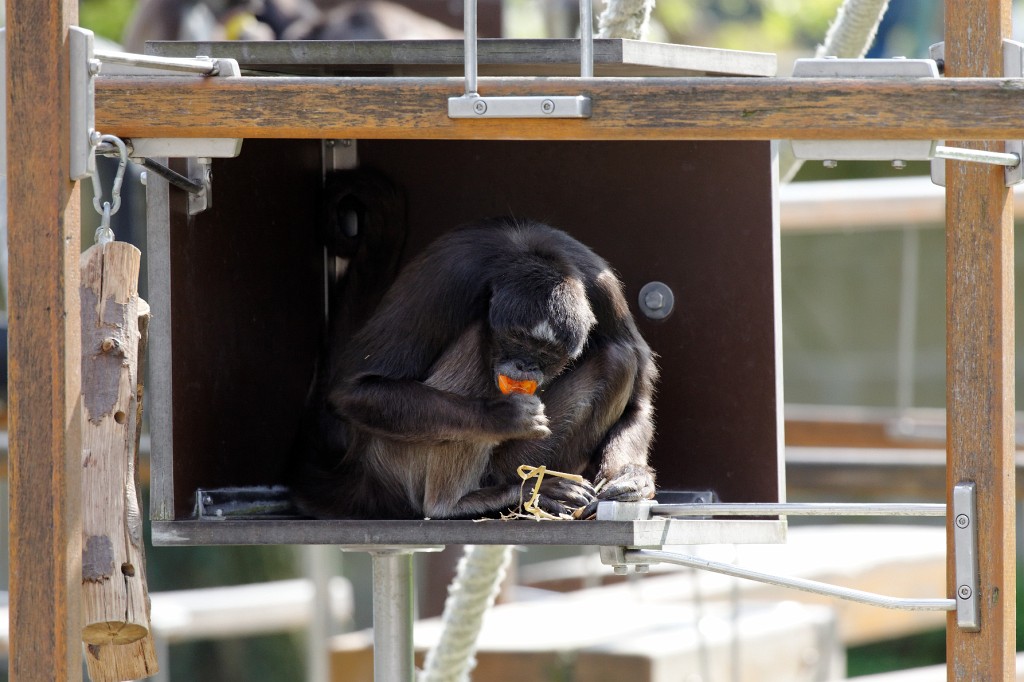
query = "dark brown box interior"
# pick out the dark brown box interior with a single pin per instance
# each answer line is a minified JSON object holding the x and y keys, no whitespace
{"x":247,"y":289}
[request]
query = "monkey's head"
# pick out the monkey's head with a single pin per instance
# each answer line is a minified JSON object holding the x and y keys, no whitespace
{"x":540,"y":319}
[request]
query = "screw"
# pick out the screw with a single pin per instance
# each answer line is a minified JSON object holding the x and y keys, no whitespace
{"x":829,"y":163}
{"x":655,"y":300}
{"x":899,"y":164}
{"x":547,"y":106}
{"x":94,"y":67}
{"x":480,"y":107}
{"x":143,"y":178}
{"x":620,"y":570}
{"x":962,"y":521}
{"x":642,"y":568}
{"x":964,"y":592}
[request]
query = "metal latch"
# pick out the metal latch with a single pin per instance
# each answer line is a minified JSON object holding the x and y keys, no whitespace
{"x":474,"y":105}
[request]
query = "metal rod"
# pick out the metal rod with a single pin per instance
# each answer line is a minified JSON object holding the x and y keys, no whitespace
{"x":174,"y":178}
{"x":586,"y":39}
{"x":797,"y":509}
{"x":977,"y":156}
{"x":392,"y":616}
{"x":203,"y":66}
{"x":469,"y":45}
{"x":641,"y":556}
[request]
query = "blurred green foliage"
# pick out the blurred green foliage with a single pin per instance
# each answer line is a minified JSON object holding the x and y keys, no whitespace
{"x":761,"y":25}
{"x":106,"y":18}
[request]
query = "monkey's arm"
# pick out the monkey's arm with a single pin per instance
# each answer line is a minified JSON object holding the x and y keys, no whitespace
{"x":408,"y":410}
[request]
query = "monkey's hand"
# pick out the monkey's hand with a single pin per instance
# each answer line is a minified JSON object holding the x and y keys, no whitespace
{"x":561,"y":496}
{"x":632,"y":483}
{"x":518,"y":415}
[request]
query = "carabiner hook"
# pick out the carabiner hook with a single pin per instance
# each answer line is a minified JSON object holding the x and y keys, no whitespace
{"x":115,"y":192}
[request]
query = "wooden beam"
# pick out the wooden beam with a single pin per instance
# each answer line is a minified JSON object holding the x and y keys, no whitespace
{"x":980,"y":357}
{"x":623,"y":108}
{"x":44,"y":348}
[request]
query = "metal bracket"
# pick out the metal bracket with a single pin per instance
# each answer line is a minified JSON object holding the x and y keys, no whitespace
{"x":621,"y":558}
{"x":83,"y":67}
{"x":965,"y":546}
{"x":864,"y":150}
{"x":473,"y":105}
{"x":86,"y":64}
{"x":1013,"y":67}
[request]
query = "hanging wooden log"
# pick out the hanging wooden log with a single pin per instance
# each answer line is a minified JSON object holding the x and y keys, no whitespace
{"x":137,"y":660}
{"x":115,"y":600}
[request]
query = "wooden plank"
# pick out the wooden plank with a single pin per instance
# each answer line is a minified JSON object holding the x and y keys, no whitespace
{"x":644,"y":108}
{"x":44,"y":348}
{"x":980,"y":357}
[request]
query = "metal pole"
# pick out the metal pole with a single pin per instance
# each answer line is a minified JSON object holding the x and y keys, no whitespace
{"x":204,"y":66}
{"x":469,"y":45}
{"x":639,"y":556}
{"x":586,"y":39}
{"x":392,"y":615}
{"x":977,"y":156}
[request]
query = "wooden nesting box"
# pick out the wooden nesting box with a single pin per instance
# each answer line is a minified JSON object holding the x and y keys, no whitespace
{"x":238,"y":290}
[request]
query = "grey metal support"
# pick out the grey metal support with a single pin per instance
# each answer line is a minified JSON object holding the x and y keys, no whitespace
{"x":965,"y":547}
{"x":392,"y":616}
{"x":647,"y":556}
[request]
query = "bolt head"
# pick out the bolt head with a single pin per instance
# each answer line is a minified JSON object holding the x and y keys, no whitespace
{"x":830,"y":163}
{"x":655,"y":300}
{"x":547,"y":106}
{"x":964,"y":592}
{"x":480,"y":107}
{"x":962,"y":521}
{"x":899,"y":164}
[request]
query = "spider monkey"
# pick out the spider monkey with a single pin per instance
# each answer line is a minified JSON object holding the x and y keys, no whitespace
{"x":505,"y":342}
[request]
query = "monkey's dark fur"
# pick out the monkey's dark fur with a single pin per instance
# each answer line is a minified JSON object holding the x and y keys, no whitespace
{"x":415,"y":424}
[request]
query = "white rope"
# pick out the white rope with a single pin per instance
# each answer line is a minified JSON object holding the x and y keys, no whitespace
{"x":625,"y":19}
{"x":850,"y":36}
{"x":472,"y":592}
{"x":854,"y":29}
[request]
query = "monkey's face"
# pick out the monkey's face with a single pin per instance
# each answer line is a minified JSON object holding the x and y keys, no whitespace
{"x":525,"y":360}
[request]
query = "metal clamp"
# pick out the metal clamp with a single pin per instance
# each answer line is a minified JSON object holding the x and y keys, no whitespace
{"x":965,"y":547}
{"x":473,"y":105}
